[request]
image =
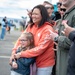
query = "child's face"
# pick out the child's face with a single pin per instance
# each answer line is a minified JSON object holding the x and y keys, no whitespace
{"x":23,"y":41}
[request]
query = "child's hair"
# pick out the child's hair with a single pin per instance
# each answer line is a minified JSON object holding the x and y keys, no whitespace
{"x":29,"y":37}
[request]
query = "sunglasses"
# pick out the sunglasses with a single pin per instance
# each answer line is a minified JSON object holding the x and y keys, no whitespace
{"x":23,"y":40}
{"x":62,"y":9}
{"x":48,"y":8}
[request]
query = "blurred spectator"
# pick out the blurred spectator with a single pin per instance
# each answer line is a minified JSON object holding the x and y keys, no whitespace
{"x":23,"y":23}
{"x":3,"y":28}
{"x":57,"y":13}
{"x":62,"y":10}
{"x":59,"y":5}
{"x":9,"y":24}
{"x":50,"y":10}
{"x":45,"y":3}
{"x":58,"y":22}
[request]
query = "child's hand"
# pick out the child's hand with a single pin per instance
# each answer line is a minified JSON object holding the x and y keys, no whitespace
{"x":17,"y":55}
{"x":14,"y":65}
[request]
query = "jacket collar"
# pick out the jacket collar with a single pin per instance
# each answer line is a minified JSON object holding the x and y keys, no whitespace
{"x":70,"y":10}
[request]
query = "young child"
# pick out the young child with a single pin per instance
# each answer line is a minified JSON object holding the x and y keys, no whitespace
{"x":21,"y":66}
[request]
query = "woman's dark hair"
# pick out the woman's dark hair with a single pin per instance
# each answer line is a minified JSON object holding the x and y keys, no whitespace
{"x":44,"y":14}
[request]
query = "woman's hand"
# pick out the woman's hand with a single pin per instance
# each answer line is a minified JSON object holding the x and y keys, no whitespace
{"x":53,"y":35}
{"x":11,"y":58}
{"x":17,"y":55}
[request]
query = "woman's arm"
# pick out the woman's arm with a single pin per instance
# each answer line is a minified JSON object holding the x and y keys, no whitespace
{"x":26,"y":61}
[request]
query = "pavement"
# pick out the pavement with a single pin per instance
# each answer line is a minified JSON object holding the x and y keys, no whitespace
{"x":6,"y":49}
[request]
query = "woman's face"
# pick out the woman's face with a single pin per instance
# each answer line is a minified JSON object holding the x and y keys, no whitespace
{"x":36,"y":16}
{"x":24,"y":42}
{"x":49,"y":9}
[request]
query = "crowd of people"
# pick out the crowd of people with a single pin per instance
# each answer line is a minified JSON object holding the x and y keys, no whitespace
{"x":54,"y":41}
{"x":5,"y":27}
{"x":7,"y":24}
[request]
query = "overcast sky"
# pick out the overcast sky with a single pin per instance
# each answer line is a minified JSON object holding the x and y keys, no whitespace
{"x":18,"y":8}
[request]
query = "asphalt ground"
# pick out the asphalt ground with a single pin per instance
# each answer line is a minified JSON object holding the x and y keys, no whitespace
{"x":6,"y":49}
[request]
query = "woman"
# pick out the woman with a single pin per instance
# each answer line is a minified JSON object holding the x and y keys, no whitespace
{"x":43,"y":50}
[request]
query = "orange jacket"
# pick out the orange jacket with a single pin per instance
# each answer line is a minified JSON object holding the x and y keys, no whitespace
{"x":43,"y":50}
